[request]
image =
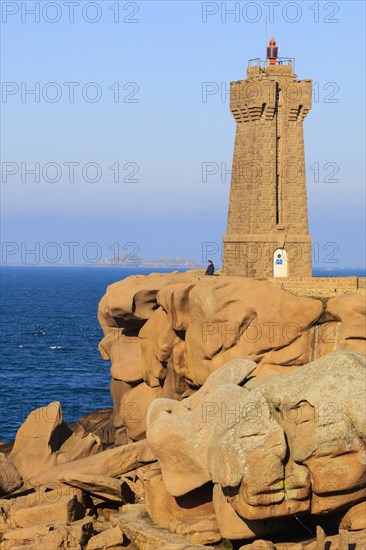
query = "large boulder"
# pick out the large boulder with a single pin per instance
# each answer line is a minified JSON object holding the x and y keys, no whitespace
{"x":237,"y":317}
{"x":10,"y":479}
{"x":355,"y":518}
{"x":318,"y":463}
{"x":140,"y":342}
{"x":38,"y":439}
{"x":181,"y":429}
{"x":44,"y":440}
{"x":111,"y":462}
{"x":192,"y":514}
{"x":109,"y":538}
{"x":350,"y":310}
{"x":131,"y":302}
{"x":235,"y":527}
{"x":325,"y":426}
{"x":105,"y":487}
{"x":54,"y":535}
{"x":45,"y":507}
{"x":248,"y":456}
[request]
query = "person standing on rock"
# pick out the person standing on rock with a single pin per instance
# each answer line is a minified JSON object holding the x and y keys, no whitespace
{"x":210,"y":268}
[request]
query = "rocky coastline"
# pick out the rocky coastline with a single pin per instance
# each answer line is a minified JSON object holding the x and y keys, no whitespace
{"x":238,"y":421}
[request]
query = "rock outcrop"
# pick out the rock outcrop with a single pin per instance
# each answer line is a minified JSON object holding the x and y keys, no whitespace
{"x":182,"y":429}
{"x":230,"y":364}
{"x":286,"y":447}
{"x":10,"y":479}
{"x":238,"y":421}
{"x":44,"y":441}
{"x":166,"y":333}
{"x":69,"y":504}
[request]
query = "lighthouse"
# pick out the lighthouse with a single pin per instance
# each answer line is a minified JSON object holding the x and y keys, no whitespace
{"x":267,"y":231}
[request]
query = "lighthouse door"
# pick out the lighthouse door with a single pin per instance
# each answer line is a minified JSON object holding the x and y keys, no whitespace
{"x":280,"y":264}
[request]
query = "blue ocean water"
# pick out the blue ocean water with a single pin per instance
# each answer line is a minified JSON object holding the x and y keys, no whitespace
{"x":339,"y":271}
{"x":49,"y":339}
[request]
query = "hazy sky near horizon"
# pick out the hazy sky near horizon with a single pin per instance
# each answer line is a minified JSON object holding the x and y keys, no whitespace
{"x":130,"y":103}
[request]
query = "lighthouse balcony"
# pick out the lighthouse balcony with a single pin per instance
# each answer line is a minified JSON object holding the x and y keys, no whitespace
{"x":264,"y":63}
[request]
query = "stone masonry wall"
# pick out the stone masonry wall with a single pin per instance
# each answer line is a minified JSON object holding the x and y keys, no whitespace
{"x":320,"y":286}
{"x":268,"y":203}
{"x":253,"y":257}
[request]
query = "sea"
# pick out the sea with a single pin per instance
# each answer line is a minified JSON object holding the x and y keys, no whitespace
{"x":49,"y":340}
{"x":50,"y":335}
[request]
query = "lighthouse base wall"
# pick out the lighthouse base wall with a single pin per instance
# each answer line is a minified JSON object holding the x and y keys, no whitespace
{"x":256,"y":255}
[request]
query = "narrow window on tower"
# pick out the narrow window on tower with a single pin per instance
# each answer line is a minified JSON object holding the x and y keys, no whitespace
{"x":278,"y":195}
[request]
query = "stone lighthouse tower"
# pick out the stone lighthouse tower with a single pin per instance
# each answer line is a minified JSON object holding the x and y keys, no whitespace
{"x":267,"y":228}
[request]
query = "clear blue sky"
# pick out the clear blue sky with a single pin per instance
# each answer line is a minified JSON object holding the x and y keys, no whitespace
{"x":168,"y":53}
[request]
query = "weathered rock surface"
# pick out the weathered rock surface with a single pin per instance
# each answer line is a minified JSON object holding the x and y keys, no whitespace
{"x":135,"y":523}
{"x":324,"y":425}
{"x":110,"y":538}
{"x":235,"y":527}
{"x":102,"y":486}
{"x":44,"y":440}
{"x":53,"y":536}
{"x":131,"y":302}
{"x":130,"y":406}
{"x":44,"y":508}
{"x":125,"y":355}
{"x":259,"y":545}
{"x":111,"y":463}
{"x":355,"y":518}
{"x":157,"y":340}
{"x":350,"y":310}
{"x":191,"y":325}
{"x":237,"y":317}
{"x":192,"y":515}
{"x":344,"y":540}
{"x":98,"y":423}
{"x":174,"y":299}
{"x":238,"y":433}
{"x":10,"y":479}
{"x":38,"y":439}
{"x":248,"y":438}
{"x":285,"y":447}
{"x":181,"y":429}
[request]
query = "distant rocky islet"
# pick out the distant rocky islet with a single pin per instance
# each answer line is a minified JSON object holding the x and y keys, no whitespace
{"x":128,"y":260}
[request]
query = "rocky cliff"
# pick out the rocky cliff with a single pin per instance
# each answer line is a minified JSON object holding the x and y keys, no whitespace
{"x":239,"y":421}
{"x":166,"y":333}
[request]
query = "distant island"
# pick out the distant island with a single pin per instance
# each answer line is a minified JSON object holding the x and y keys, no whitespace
{"x":127,"y":260}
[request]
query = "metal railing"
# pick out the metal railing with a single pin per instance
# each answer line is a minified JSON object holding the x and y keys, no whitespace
{"x":264,"y":63}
